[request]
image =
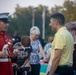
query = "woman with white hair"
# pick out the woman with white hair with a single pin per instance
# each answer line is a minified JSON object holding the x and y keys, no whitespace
{"x":37,"y":48}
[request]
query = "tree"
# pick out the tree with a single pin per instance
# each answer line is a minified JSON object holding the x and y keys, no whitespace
{"x":69,"y":11}
{"x":22,"y":20}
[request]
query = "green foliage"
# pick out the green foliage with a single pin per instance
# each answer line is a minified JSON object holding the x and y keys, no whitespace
{"x":69,"y":11}
{"x":21,"y":20}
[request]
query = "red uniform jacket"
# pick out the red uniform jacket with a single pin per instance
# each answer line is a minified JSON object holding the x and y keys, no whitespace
{"x":5,"y":67}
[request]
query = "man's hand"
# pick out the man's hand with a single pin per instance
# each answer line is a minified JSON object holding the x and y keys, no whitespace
{"x":16,"y":51}
{"x":14,"y":64}
{"x":3,"y":54}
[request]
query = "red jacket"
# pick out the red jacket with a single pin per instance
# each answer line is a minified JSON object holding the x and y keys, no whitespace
{"x":6,"y":67}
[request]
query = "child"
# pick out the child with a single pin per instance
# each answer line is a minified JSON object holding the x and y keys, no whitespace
{"x":23,"y":54}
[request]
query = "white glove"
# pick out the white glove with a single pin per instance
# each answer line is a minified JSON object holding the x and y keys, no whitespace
{"x":4,"y":49}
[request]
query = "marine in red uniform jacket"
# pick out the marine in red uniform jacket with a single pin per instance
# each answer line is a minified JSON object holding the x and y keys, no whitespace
{"x":6,"y":66}
{"x":5,"y":60}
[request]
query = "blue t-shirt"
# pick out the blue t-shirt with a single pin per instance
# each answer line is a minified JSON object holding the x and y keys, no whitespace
{"x":47,"y":47}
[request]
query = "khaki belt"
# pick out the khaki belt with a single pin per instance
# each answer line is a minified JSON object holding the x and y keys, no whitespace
{"x":5,"y":60}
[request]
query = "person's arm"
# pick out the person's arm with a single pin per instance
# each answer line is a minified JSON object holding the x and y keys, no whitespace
{"x":55,"y":61}
{"x":26,"y":61}
{"x":15,"y":53}
{"x":41,"y":51}
{"x":28,"y":64}
{"x":2,"y":54}
{"x":48,"y":56}
{"x":45,"y":48}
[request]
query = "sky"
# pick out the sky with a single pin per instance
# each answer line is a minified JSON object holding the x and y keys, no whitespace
{"x":9,"y":5}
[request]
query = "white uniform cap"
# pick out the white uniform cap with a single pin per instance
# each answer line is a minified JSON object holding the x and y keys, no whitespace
{"x":4,"y":17}
{"x":35,"y":30}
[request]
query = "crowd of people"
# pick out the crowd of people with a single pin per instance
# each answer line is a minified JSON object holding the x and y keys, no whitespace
{"x":19,"y":55}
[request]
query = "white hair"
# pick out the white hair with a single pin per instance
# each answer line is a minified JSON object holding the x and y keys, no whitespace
{"x":35,"y":30}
